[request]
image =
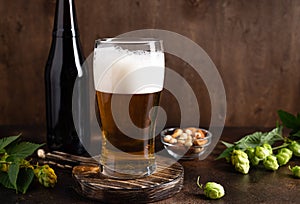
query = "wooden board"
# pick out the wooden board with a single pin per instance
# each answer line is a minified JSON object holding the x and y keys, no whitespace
{"x":166,"y":181}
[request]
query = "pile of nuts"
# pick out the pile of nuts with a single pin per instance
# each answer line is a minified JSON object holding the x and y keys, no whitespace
{"x":187,"y":137}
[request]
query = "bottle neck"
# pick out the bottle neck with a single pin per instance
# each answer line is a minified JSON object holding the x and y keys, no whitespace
{"x":65,"y":22}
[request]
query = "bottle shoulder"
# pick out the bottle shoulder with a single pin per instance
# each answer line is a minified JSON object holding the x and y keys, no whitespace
{"x":66,"y":49}
{"x":65,"y":59}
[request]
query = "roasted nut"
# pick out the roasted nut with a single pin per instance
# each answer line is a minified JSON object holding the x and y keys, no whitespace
{"x":189,"y":138}
{"x":167,"y":138}
{"x":41,"y":153}
{"x":200,"y":142}
{"x":198,"y":150}
{"x":188,"y":131}
{"x":199,"y":134}
{"x":188,"y":143}
{"x":181,"y":141}
{"x":183,"y":136}
{"x":192,"y":129}
{"x":173,"y":141}
{"x":177,"y":133}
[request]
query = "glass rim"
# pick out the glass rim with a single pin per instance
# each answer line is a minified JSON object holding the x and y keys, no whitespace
{"x":128,"y":40}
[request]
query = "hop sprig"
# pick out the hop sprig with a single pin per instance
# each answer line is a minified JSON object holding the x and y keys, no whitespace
{"x":16,"y":171}
{"x":260,"y":147}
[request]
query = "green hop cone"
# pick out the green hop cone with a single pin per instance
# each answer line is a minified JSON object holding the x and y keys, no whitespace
{"x":4,"y":165}
{"x":46,"y":175}
{"x":296,"y":171}
{"x":282,"y":159}
{"x":214,"y":190}
{"x":251,"y":155}
{"x":286,"y":151}
{"x":270,"y":163}
{"x":262,"y":152}
{"x":295,"y":147}
{"x":284,"y":155}
{"x":268,"y":147}
{"x":26,"y":164}
{"x":243,"y":168}
{"x":240,"y":161}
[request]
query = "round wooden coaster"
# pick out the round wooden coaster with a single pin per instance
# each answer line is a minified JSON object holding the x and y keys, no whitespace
{"x":166,"y":181}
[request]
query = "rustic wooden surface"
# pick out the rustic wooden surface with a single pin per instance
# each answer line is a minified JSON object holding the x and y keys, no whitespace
{"x":254,"y":44}
{"x":259,"y":186}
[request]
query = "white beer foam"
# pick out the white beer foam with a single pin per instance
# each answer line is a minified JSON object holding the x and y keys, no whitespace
{"x":127,"y":72}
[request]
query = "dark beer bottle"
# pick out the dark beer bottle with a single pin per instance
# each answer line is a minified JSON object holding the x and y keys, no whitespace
{"x":63,"y":67}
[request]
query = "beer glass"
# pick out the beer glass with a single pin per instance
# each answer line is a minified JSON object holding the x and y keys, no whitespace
{"x":128,"y":78}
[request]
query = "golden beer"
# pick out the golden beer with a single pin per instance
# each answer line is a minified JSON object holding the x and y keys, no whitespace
{"x":128,"y":77}
{"x":120,"y":152}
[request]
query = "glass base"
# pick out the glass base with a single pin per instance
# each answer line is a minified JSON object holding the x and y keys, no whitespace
{"x":130,"y":174}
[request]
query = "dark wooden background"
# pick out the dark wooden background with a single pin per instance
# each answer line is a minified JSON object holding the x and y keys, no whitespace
{"x":254,"y":44}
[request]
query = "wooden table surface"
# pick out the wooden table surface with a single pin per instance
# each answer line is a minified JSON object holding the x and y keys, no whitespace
{"x":259,"y":186}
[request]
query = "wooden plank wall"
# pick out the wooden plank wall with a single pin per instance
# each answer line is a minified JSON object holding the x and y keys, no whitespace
{"x":254,"y":44}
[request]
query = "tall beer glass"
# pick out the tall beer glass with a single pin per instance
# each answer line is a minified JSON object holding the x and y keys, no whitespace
{"x":128,"y":77}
